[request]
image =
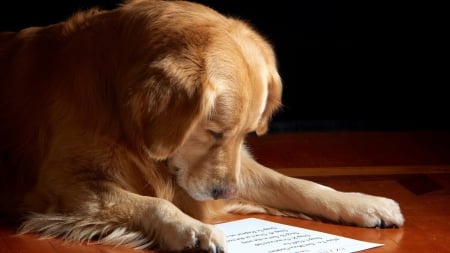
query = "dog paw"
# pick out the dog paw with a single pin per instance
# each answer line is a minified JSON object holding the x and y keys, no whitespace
{"x":191,"y":236}
{"x":371,"y":211}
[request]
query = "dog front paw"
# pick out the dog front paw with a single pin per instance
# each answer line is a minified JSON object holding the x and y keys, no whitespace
{"x":371,"y":211}
{"x":191,"y":235}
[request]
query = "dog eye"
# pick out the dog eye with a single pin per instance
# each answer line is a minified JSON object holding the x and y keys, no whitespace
{"x":216,"y":135}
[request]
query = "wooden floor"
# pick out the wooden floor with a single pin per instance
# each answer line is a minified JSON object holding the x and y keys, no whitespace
{"x":410,"y":167}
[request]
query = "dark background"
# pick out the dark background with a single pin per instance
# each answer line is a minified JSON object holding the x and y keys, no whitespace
{"x":377,"y":66}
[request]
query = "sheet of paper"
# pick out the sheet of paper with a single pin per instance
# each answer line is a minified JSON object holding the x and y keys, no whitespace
{"x":260,"y":236}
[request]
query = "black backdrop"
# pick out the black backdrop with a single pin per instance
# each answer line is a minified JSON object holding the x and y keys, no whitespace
{"x":337,"y":61}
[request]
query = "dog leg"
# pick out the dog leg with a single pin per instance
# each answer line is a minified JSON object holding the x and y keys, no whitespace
{"x":268,"y":187}
{"x":119,"y":217}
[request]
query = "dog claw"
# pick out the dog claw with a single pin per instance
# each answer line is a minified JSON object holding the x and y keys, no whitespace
{"x":213,"y":248}
{"x":218,"y":250}
{"x":197,"y":244}
{"x":382,"y":224}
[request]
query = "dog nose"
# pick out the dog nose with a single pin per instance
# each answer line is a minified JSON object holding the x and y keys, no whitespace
{"x":223,"y":193}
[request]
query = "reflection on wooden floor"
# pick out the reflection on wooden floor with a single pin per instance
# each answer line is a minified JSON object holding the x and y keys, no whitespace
{"x":410,"y":167}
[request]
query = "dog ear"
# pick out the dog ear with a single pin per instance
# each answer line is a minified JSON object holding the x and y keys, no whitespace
{"x":168,"y":127}
{"x":167,"y":105}
{"x":273,"y":102}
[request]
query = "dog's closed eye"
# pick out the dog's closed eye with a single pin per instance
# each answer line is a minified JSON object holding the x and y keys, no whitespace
{"x":216,"y":135}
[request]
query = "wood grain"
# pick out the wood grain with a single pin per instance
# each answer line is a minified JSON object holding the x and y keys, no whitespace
{"x":410,"y":167}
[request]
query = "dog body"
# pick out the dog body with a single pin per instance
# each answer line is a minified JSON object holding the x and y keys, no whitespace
{"x":128,"y":126}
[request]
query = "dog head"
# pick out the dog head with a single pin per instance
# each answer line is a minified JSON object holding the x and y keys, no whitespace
{"x":212,"y":82}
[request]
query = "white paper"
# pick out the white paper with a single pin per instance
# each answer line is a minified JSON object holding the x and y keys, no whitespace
{"x":259,"y":236}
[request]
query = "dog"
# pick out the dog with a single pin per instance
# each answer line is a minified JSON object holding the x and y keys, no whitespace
{"x":127,"y":127}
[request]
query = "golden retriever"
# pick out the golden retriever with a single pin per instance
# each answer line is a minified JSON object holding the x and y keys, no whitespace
{"x":127,"y":126}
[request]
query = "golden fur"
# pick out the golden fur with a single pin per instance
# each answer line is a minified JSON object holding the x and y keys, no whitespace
{"x":123,"y":126}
